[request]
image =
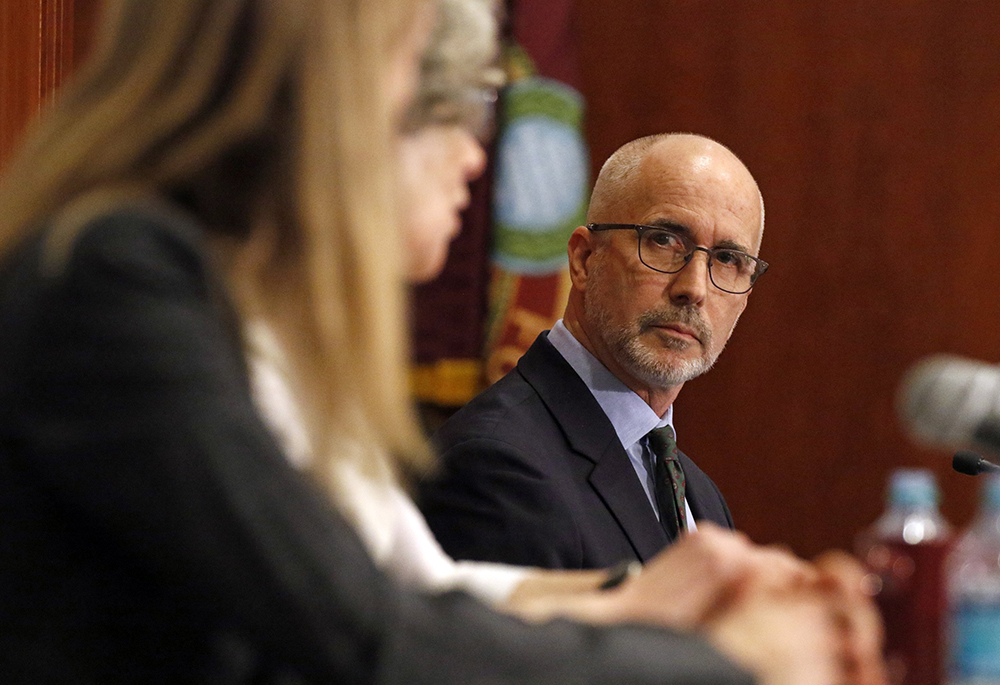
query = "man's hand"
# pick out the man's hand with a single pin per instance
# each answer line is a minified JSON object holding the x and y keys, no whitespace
{"x":708,"y":572}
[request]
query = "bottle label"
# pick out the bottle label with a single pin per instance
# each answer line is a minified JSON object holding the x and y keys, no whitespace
{"x":975,"y":640}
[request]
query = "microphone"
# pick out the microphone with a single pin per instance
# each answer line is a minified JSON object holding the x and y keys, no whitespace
{"x":951,"y":401}
{"x":971,"y":464}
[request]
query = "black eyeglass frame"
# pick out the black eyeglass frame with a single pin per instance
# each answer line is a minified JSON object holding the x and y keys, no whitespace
{"x":760,"y":266}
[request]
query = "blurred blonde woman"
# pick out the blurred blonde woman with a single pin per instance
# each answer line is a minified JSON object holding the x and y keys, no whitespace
{"x":437,"y":157}
{"x":221,"y":162}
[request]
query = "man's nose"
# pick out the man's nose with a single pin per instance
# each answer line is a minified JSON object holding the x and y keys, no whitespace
{"x":690,"y":285}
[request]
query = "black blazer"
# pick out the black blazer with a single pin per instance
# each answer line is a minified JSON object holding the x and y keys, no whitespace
{"x":535,"y":474}
{"x":152,"y":532}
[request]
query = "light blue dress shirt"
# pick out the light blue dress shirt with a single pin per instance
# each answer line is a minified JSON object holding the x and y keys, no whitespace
{"x":631,"y":417}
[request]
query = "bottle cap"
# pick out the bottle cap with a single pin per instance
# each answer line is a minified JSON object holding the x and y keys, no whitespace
{"x":915,"y":488}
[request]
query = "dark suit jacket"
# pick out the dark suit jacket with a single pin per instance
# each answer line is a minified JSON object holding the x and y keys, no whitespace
{"x":152,"y":532}
{"x":535,"y":474}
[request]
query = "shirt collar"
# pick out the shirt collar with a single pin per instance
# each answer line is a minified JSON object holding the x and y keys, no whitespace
{"x":631,"y":417}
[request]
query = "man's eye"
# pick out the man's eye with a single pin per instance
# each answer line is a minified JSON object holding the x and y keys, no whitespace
{"x":734,"y":259}
{"x":664,"y":239}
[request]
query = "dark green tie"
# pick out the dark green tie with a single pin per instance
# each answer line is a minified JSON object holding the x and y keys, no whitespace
{"x":669,"y":478}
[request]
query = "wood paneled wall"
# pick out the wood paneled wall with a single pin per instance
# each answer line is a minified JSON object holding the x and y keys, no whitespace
{"x":40,"y":43}
{"x":873,"y":129}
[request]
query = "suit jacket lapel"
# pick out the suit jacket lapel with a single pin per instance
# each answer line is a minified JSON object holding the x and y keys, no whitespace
{"x":693,"y":488}
{"x":590,"y":434}
{"x":706,"y":502}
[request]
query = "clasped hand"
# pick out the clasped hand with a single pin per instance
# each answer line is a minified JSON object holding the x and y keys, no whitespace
{"x":790,"y":621}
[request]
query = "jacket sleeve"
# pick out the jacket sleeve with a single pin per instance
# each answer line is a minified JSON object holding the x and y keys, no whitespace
{"x":135,"y":413}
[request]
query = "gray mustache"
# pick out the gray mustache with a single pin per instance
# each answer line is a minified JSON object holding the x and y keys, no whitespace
{"x":688,"y":317}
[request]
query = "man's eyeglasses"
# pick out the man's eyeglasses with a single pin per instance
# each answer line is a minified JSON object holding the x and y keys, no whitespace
{"x":667,"y":251}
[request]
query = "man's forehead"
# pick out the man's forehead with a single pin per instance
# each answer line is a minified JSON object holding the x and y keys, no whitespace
{"x":722,"y":194}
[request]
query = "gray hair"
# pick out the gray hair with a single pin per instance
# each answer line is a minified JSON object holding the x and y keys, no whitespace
{"x":463,"y":49}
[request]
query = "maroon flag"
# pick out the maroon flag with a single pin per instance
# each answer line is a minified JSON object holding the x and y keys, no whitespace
{"x":506,"y":279}
{"x":542,"y":178}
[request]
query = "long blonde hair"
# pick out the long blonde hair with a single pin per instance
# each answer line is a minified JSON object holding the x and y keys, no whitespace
{"x":267,"y":119}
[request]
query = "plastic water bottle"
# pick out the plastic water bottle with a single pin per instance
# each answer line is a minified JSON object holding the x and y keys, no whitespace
{"x":974,"y":596}
{"x":905,"y":551}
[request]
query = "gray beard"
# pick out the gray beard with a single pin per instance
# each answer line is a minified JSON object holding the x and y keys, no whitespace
{"x":643,"y":364}
{"x":640,"y":361}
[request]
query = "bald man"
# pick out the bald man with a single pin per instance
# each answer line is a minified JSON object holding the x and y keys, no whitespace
{"x":570,"y":460}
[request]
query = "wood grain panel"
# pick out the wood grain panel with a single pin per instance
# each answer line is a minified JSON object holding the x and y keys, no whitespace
{"x":20,"y":62}
{"x":872,"y":129}
{"x":40,"y":43}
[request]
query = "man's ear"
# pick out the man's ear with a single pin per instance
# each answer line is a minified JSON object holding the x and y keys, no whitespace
{"x":580,"y":249}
